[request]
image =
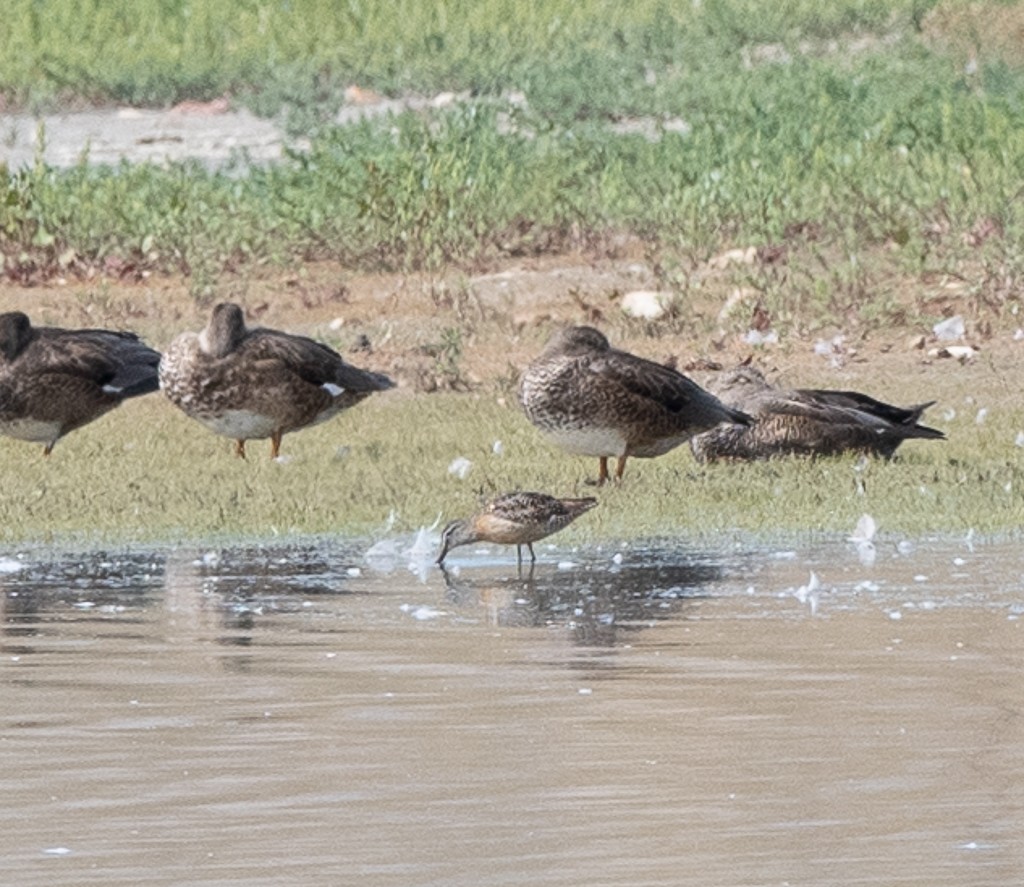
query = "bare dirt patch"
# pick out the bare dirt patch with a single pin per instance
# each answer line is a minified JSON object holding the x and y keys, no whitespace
{"x":457,"y":331}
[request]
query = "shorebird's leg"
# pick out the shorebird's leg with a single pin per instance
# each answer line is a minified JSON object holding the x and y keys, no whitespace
{"x":240,"y":448}
{"x":533,"y":557}
{"x":519,"y":555}
{"x":275,"y":444}
{"x":602,"y":474}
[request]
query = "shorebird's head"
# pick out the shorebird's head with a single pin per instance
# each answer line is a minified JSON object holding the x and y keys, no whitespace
{"x":577,"y":340}
{"x":224,"y":331}
{"x":458,"y":532}
{"x":15,"y":333}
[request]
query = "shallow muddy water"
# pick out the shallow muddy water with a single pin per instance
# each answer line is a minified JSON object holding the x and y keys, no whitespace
{"x":645,"y":715}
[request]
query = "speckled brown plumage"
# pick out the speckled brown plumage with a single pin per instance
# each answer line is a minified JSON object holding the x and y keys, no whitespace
{"x":53,"y":381}
{"x":594,"y":400}
{"x":806,"y":422}
{"x":259,"y":383}
{"x":514,"y":519}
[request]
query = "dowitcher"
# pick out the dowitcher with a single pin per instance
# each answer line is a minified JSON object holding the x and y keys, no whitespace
{"x":256,"y":383}
{"x":514,"y":519}
{"x":594,"y":400}
{"x":806,"y":422}
{"x":53,"y":381}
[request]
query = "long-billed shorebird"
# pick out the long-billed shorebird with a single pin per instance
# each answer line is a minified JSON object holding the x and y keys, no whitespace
{"x":514,"y":519}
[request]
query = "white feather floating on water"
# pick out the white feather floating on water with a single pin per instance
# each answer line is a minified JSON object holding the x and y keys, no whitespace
{"x":415,"y":552}
{"x":863,"y":538}
{"x":424,"y":545}
{"x":10,"y":565}
{"x":808,"y":594}
{"x":865,"y":529}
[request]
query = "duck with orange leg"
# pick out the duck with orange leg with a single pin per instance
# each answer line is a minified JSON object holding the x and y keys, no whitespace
{"x":594,"y":400}
{"x":252,"y":383}
{"x":53,"y":381}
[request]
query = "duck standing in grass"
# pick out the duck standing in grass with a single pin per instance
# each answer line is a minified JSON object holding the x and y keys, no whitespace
{"x":806,"y":422}
{"x":594,"y":400}
{"x":514,"y":519}
{"x":257,"y":383}
{"x":53,"y":381}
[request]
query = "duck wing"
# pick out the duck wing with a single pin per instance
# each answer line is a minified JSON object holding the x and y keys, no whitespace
{"x":310,"y":360}
{"x":661,"y":387}
{"x":118,"y":362}
{"x":899,"y":420}
{"x":856,"y":400}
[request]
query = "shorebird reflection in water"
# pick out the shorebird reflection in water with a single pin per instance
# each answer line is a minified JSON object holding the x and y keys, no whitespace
{"x":806,"y":421}
{"x":594,"y":400}
{"x":514,"y":519}
{"x":256,"y":383}
{"x":53,"y":381}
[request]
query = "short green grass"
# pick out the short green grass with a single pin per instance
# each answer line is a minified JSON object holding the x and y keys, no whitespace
{"x":146,"y":473}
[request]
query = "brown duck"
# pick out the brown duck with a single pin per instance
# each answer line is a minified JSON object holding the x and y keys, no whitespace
{"x":257,"y":383}
{"x":806,"y":422}
{"x":594,"y":400}
{"x":514,"y":519}
{"x":53,"y":381}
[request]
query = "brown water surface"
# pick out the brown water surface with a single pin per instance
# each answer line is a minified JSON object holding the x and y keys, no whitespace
{"x":659,"y":715}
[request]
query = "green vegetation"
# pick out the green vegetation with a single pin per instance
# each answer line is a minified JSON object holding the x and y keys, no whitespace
{"x":146,"y":473}
{"x":160,"y":51}
{"x":870,"y":151}
{"x":858,"y":144}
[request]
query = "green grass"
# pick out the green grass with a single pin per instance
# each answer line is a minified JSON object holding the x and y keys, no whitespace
{"x":147,"y":474}
{"x":866,"y":168}
{"x":159,"y":51}
{"x":851,"y":139}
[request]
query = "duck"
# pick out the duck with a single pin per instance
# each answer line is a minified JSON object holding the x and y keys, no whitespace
{"x":591,"y":399}
{"x":806,"y":421}
{"x":257,"y":383}
{"x":519,"y":519}
{"x":53,"y":381}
